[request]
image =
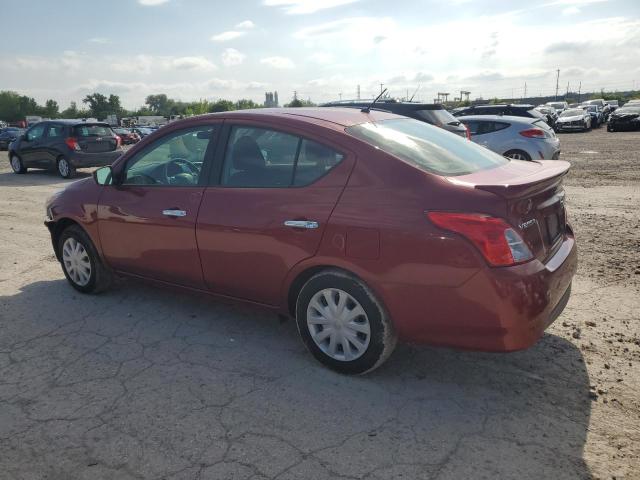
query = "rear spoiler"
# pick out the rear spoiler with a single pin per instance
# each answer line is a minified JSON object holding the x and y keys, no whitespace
{"x":523,"y":186}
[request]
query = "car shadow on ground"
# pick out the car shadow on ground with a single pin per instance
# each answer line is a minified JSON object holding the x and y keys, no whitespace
{"x":38,"y":177}
{"x":159,"y":383}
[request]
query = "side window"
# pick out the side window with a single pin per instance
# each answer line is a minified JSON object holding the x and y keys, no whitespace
{"x":314,"y":161}
{"x":472,"y":125}
{"x":497,"y":126}
{"x":55,"y":131}
{"x":175,"y":159}
{"x":35,"y":132}
{"x":257,"y":157}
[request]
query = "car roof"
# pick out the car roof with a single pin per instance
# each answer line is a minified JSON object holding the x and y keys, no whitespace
{"x":500,"y":118}
{"x":344,"y":117}
{"x":75,"y":122}
{"x":387,"y":105}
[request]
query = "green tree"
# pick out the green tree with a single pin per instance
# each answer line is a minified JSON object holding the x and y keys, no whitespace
{"x":51,"y":109}
{"x":222,"y":106}
{"x":244,"y":104}
{"x":71,"y":112}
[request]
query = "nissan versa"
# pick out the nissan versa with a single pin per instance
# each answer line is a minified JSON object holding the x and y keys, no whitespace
{"x":367,"y":227}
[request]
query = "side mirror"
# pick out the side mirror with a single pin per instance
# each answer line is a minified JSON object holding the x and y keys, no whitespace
{"x":103,"y":176}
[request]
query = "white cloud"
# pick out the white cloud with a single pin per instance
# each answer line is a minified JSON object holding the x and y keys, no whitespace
{"x":570,"y":11}
{"x":246,"y":25}
{"x":152,"y":3}
{"x":190,"y":63}
{"x":278,"y":62}
{"x":226,"y":36}
{"x":321,"y":58}
{"x":100,"y":40}
{"x":297,"y":7}
{"x":231,"y":57}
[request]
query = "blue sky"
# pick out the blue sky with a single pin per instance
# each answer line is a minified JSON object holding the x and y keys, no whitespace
{"x":194,"y":49}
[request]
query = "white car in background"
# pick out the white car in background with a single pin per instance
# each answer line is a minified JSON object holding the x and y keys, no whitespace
{"x":574,"y":119}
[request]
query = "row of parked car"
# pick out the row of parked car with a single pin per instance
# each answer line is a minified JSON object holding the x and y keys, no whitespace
{"x":592,"y":114}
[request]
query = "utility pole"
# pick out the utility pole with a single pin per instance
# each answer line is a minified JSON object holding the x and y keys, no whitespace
{"x":567,"y":94}
{"x":525,"y":91}
{"x":295,"y":95}
{"x":340,"y":94}
{"x":557,"y":80}
{"x":358,"y":92}
{"x":381,"y":85}
{"x":579,"y":90}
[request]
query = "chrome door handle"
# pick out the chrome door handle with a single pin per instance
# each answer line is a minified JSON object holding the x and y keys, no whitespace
{"x":174,"y":213}
{"x":301,"y":224}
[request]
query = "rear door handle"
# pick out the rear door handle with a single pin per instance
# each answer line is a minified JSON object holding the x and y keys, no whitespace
{"x":310,"y":224}
{"x":174,"y":213}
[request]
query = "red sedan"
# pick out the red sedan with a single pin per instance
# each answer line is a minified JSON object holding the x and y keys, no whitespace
{"x":365,"y":227}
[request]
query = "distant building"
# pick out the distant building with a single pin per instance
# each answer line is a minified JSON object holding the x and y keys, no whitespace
{"x":271,"y":99}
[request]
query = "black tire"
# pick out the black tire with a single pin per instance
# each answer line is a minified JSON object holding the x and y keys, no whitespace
{"x":16,"y":164}
{"x":382,"y":336}
{"x":101,"y":277}
{"x":64,"y":167}
{"x":522,"y":155}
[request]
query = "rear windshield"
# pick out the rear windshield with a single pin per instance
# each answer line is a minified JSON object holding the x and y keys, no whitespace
{"x":428,"y":148}
{"x":438,"y":117}
{"x":629,"y":109}
{"x":556,"y":105}
{"x":92,"y":131}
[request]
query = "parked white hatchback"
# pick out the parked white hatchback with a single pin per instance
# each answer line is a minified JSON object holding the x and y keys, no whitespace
{"x":514,"y":137}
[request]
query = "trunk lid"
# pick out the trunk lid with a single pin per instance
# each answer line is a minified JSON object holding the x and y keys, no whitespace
{"x":534,"y":199}
{"x":95,"y":138}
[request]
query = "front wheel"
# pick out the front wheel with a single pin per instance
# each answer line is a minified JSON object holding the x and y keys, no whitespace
{"x":65,"y":169}
{"x":16,"y":165}
{"x":342,"y":323}
{"x":81,"y":263}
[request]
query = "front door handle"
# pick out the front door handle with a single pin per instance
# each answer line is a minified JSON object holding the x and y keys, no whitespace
{"x":174,"y":213}
{"x":310,"y":224}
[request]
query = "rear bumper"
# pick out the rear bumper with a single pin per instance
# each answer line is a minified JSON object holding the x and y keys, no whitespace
{"x":82,"y":160}
{"x":497,"y":309}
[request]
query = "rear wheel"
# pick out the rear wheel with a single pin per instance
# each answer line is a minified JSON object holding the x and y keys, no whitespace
{"x":517,"y":155}
{"x":342,"y":323}
{"x":81,"y":263}
{"x":16,"y":164}
{"x":65,"y":169}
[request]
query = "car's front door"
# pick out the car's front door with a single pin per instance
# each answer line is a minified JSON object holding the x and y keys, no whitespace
{"x":30,"y":149}
{"x":53,"y":138}
{"x":147,"y":220}
{"x":266,"y":209}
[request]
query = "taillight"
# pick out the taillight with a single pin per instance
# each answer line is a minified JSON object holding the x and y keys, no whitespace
{"x":468,"y":132}
{"x":72,"y":143}
{"x":118,"y":141}
{"x":533,"y":133}
{"x":498,"y":242}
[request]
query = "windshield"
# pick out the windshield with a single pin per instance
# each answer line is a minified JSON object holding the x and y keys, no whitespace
{"x":93,"y":131}
{"x":556,"y":105}
{"x":572,"y":113}
{"x":428,"y":148}
{"x":438,"y":117}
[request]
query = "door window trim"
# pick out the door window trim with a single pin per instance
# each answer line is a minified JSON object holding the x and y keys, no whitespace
{"x":215,"y":179}
{"x":206,"y":162}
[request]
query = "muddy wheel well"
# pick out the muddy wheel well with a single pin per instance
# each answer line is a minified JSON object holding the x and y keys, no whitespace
{"x":56,"y":231}
{"x":301,"y":279}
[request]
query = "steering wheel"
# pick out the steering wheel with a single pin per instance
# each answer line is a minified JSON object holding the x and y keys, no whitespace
{"x":179,"y":162}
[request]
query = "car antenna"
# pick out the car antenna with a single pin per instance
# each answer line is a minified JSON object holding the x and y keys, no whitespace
{"x":368,"y":108}
{"x":414,"y":93}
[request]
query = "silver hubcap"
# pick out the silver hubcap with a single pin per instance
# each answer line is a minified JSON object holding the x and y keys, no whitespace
{"x":63,"y":167}
{"x":76,"y":261}
{"x":338,"y":324}
{"x":15,"y":163}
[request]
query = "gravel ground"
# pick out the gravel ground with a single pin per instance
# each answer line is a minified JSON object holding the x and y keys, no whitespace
{"x":142,"y":382}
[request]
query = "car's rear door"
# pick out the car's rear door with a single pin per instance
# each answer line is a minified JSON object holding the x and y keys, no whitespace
{"x":147,"y":222}
{"x":269,"y":201}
